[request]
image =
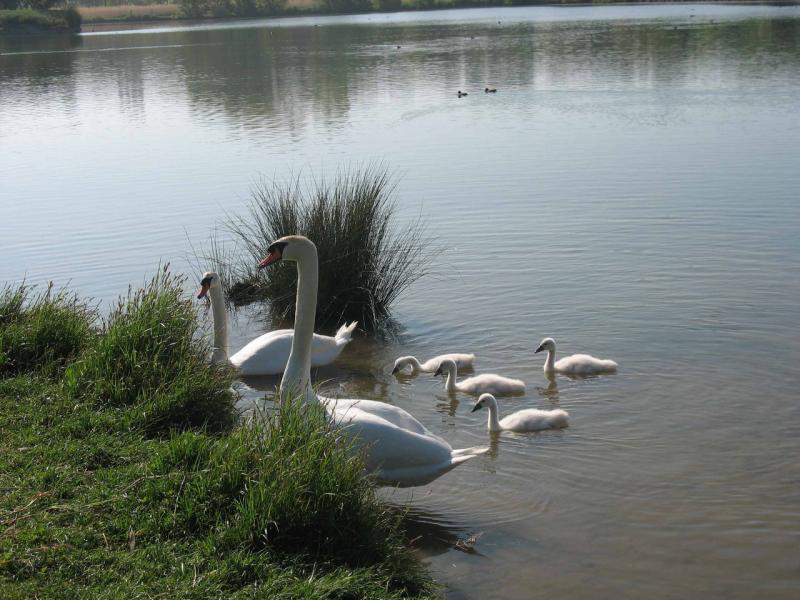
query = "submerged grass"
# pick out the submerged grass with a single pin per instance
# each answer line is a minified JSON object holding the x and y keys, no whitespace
{"x":93,"y":504}
{"x":366,"y":262}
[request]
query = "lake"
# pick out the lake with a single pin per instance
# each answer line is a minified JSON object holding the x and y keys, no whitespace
{"x":632,"y":189}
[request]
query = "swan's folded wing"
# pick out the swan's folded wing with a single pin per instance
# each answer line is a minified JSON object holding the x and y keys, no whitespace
{"x":389,"y":446}
{"x":265,"y":355}
{"x":388,"y":412}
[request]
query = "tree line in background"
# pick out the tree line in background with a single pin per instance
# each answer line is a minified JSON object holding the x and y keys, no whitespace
{"x":251,"y":8}
{"x":32,"y":4}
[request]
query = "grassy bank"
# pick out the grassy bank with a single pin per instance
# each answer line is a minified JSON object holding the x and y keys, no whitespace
{"x":124,"y":471}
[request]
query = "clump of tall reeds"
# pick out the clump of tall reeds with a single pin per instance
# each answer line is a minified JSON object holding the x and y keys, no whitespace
{"x":147,"y":360}
{"x":42,"y":331}
{"x":366,"y":261}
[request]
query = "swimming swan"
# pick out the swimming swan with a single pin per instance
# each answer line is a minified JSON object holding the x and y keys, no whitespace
{"x":528,"y":419}
{"x":398,"y":449}
{"x":463,"y":361}
{"x":268,"y":353}
{"x":581,"y":364}
{"x":486,"y":382}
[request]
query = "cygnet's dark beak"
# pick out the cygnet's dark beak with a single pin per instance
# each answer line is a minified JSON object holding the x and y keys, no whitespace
{"x":539,"y":349}
{"x":438,"y":371}
{"x":395,"y":371}
{"x":476,"y":407}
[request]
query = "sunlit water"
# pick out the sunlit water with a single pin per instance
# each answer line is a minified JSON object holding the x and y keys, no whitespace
{"x":631,"y":190}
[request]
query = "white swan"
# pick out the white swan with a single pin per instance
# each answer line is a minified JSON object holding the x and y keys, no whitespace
{"x":486,"y":382}
{"x":528,"y":419}
{"x":580,"y":364}
{"x":463,"y":361}
{"x":268,"y":353}
{"x":397,"y":448}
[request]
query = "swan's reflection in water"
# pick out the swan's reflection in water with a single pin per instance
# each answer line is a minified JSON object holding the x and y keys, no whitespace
{"x":550,"y":391}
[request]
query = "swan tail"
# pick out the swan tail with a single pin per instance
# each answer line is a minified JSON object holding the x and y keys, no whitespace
{"x":345,"y":332}
{"x":463,"y":454}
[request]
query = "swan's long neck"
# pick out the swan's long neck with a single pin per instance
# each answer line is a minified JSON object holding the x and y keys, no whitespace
{"x":297,"y":376}
{"x":550,"y":363}
{"x":450,"y":384}
{"x":494,"y":423}
{"x":221,"y":346}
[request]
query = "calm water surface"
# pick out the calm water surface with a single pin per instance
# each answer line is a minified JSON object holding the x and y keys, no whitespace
{"x":631,"y":190}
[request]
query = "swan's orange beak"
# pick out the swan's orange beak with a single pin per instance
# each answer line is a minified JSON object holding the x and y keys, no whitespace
{"x":204,"y":287}
{"x":273,"y":256}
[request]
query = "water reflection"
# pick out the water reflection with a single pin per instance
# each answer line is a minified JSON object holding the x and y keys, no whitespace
{"x":433,"y":533}
{"x":549,"y":392}
{"x":641,"y":170}
{"x":289,"y":80}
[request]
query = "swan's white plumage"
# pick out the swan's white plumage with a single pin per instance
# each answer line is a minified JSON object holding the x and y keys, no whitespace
{"x":579,"y":364}
{"x":479,"y":384}
{"x":268,"y":353}
{"x":463,"y":361}
{"x":398,"y":449}
{"x":528,"y":419}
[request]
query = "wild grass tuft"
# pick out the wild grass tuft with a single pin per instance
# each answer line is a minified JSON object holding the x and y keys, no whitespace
{"x":366,"y":261}
{"x":148,"y":362}
{"x":42,"y":331}
{"x":284,"y":482}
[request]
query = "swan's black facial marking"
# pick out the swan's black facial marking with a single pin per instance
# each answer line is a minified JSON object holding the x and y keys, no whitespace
{"x":478,"y":406}
{"x":277,"y":247}
{"x":438,"y":371}
{"x":205,"y":285}
{"x":539,"y":349}
{"x":395,"y":371}
{"x":275,"y":253}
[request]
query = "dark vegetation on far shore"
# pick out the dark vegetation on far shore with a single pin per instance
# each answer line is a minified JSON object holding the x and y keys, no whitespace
{"x":126,"y":472}
{"x":30,"y":20}
{"x":110,"y":11}
{"x":366,"y":260}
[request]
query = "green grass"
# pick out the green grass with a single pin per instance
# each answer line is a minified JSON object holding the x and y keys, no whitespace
{"x":366,"y":260}
{"x":100,"y":499}
{"x":41,"y":331}
{"x":148,"y":362}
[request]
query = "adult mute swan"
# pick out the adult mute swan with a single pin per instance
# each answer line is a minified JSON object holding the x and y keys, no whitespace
{"x":486,"y":382}
{"x":268,"y":353}
{"x":528,"y":419}
{"x":397,"y":448}
{"x":463,"y":361}
{"x":580,"y":364}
